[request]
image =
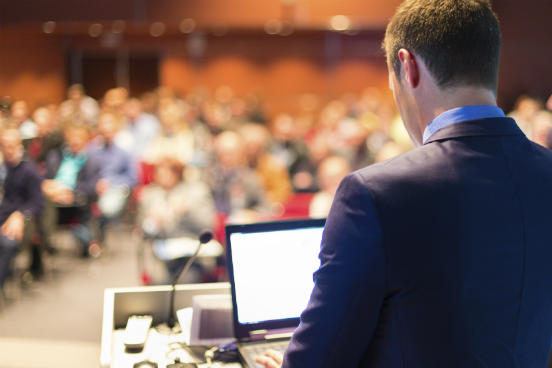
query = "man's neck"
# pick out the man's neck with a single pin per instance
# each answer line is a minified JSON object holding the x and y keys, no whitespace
{"x":13,"y":164}
{"x":450,"y":98}
{"x":462,"y":96}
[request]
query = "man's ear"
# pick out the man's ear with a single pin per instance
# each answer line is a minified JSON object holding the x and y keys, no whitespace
{"x":409,"y":67}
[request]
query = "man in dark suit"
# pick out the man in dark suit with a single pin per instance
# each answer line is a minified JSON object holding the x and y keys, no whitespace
{"x":21,"y":202}
{"x":70,"y":189}
{"x":440,"y":257}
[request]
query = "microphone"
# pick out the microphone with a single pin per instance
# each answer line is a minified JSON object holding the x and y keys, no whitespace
{"x":204,"y":237}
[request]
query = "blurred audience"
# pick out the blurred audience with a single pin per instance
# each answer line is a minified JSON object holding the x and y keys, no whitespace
{"x":293,"y":153}
{"x":330,"y":173}
{"x":48,"y":138}
{"x":139,"y":130}
{"x":235,"y":187}
{"x":213,"y":157}
{"x":78,"y":107}
{"x":175,"y":139}
{"x":271,"y":172}
{"x":388,"y":151}
{"x":172,"y":206}
{"x":525,"y":111}
{"x":175,"y":209}
{"x":20,"y":117}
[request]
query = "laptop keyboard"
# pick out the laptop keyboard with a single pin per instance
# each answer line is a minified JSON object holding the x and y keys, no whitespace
{"x":249,"y":352}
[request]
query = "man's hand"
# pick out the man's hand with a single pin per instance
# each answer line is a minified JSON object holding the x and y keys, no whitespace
{"x":271,"y":359}
{"x":64,"y":196}
{"x":13,"y":226}
{"x":57,"y":192}
{"x":49,"y":187}
{"x":102,"y":186}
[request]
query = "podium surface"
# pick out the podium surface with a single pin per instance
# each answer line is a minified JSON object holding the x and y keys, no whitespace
{"x":120,"y":303}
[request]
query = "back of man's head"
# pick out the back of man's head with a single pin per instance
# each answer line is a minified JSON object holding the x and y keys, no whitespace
{"x":458,"y":40}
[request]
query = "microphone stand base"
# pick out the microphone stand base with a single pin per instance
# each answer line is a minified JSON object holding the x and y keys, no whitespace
{"x":164,"y":329}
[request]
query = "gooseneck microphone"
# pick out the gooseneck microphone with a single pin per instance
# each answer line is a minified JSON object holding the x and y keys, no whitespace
{"x":204,"y":237}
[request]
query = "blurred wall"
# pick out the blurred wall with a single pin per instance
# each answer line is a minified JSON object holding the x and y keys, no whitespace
{"x":208,"y":13}
{"x":526,"y":50}
{"x":31,"y":67}
{"x":281,"y":69}
{"x":36,"y":66}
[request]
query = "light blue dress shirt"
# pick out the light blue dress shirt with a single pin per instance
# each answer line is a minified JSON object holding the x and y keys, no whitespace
{"x":69,"y":168}
{"x":459,"y":114}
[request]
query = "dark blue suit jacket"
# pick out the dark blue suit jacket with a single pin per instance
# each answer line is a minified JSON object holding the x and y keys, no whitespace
{"x":87,"y":178}
{"x":438,"y":258}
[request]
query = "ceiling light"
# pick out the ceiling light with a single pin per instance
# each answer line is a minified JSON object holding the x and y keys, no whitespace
{"x":187,"y":25}
{"x":157,"y":29}
{"x":118,"y":26}
{"x":49,"y":27}
{"x":340,"y":23}
{"x":95,"y":30}
{"x":273,"y":26}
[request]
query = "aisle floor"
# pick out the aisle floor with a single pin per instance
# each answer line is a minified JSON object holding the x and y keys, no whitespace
{"x":56,"y":322}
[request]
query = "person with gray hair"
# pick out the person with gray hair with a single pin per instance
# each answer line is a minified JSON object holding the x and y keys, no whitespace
{"x":22,"y":201}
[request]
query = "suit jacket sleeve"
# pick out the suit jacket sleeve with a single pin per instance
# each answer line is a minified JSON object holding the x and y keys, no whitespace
{"x":34,"y":200}
{"x":339,"y":321}
{"x":85,"y":190}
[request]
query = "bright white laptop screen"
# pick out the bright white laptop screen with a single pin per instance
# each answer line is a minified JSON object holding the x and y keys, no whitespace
{"x":273,"y":272}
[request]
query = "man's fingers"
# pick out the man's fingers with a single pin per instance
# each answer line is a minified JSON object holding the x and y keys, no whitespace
{"x":275,"y":355}
{"x":268,"y":362}
{"x":10,"y":234}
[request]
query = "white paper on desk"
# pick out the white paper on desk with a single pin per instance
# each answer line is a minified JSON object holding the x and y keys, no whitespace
{"x":184,"y":316}
{"x":167,"y":249}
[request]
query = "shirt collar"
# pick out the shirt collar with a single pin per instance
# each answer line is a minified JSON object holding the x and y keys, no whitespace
{"x":459,"y":114}
{"x":69,"y":154}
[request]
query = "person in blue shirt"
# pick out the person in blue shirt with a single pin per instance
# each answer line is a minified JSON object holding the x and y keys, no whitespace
{"x":439,"y":257}
{"x":117,"y":172}
{"x":139,"y":131}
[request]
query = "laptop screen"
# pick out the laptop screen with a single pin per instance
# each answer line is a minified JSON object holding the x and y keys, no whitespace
{"x":271,"y":270}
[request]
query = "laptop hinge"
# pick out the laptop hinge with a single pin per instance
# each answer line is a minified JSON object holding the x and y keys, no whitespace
{"x":271,"y":334}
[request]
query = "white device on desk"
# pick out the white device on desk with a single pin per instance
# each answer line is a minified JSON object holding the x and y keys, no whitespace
{"x":211,"y":320}
{"x":136,"y":331}
{"x":270,"y":267}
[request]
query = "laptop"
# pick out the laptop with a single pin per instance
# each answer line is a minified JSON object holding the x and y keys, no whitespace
{"x":271,"y":266}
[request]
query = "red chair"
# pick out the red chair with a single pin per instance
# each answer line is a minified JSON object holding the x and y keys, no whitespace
{"x":297,"y":206}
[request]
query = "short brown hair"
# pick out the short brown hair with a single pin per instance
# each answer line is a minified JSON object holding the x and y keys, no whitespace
{"x":171,"y":163}
{"x":458,"y":40}
{"x":77,"y":126}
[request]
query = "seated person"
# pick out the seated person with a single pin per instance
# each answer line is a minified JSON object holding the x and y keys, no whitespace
{"x":140,"y":129}
{"x":175,"y":138}
{"x":272,"y":173}
{"x":235,"y":187}
{"x":79,"y":106}
{"x":171,"y":208}
{"x":20,"y":117}
{"x":289,"y":147}
{"x":49,"y":137}
{"x":21,"y":203}
{"x":330,"y":173}
{"x":70,"y":188}
{"x":117,"y":172}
